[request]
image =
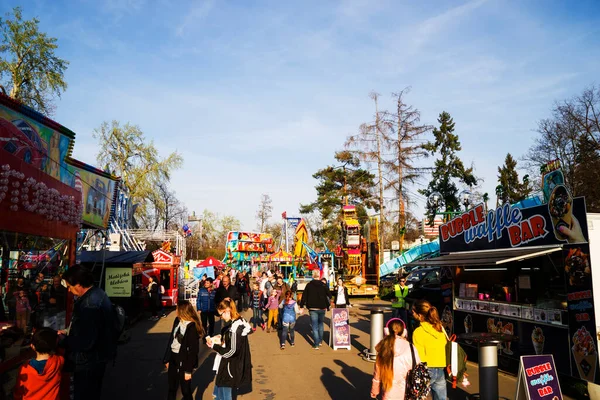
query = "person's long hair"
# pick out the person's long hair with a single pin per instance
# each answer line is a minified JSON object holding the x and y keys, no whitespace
{"x":225,"y":304}
{"x":186,"y":312}
{"x":429,"y":314}
{"x":288,"y":297}
{"x":385,"y":355}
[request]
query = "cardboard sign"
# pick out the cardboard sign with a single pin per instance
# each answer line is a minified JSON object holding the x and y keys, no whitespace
{"x":117,"y":282}
{"x":538,"y":379}
{"x":339,"y":337}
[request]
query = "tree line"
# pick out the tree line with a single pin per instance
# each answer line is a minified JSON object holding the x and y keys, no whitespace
{"x":379,"y":167}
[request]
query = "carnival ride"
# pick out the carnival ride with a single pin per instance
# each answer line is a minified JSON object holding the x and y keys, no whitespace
{"x":245,"y":248}
{"x":358,"y":254}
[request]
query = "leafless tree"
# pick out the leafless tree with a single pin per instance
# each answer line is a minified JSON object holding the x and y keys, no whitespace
{"x":403,"y":140}
{"x":264,"y":212}
{"x":368,"y":145}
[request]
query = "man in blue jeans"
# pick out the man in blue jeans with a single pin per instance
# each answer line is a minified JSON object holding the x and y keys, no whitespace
{"x":316,"y":299}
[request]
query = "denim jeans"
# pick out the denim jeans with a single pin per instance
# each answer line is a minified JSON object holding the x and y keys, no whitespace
{"x":287,"y":327}
{"x":224,"y":393}
{"x":316,"y":320}
{"x":257,"y":317}
{"x":438,"y":383}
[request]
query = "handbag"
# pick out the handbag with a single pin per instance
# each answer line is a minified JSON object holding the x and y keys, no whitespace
{"x":418,"y":380}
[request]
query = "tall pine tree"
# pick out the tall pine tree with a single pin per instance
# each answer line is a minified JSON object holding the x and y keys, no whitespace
{"x":512,"y":190}
{"x":448,"y":167}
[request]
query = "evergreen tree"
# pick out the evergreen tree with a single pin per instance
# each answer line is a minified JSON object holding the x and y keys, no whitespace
{"x":587,"y":173}
{"x":448,"y":167}
{"x":512,"y":190}
{"x":338,"y":185}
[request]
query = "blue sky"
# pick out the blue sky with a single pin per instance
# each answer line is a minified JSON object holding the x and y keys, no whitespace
{"x":258,"y":95}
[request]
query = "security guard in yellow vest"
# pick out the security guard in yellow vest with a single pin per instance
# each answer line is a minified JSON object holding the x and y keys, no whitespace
{"x":399,"y":304}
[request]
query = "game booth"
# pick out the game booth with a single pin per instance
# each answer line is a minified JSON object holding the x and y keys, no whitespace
{"x":524,"y":272}
{"x":46,"y":197}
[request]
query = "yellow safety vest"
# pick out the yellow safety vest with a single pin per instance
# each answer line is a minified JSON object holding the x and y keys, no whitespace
{"x":400,"y":294}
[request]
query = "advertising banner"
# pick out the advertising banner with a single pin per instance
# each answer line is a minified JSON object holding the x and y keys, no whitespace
{"x":340,"y":329}
{"x":561,"y":221}
{"x":97,"y":193}
{"x":580,"y":300}
{"x":117,"y":282}
{"x":538,"y":379}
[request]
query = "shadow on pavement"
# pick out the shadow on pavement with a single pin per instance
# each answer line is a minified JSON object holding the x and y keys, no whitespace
{"x":204,"y":375}
{"x":338,"y":388}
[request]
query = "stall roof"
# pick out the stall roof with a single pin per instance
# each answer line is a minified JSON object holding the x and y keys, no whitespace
{"x":116,"y":257}
{"x":486,"y":257}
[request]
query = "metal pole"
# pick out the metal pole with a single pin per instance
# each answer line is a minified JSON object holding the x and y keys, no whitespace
{"x":376,"y":334}
{"x":488,"y":371}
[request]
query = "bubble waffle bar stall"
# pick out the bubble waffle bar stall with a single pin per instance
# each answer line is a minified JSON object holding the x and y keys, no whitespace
{"x":525,"y":272}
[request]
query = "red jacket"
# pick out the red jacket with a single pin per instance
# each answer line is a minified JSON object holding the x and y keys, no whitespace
{"x":45,"y":386}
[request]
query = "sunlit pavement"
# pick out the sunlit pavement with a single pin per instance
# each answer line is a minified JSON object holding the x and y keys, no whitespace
{"x":293,"y":373}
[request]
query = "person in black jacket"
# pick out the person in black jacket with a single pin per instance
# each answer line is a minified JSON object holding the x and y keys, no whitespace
{"x":181,"y":355}
{"x":233,"y":362}
{"x":90,"y":340}
{"x":316,"y":299}
{"x":340,"y":295}
{"x":226,"y":291}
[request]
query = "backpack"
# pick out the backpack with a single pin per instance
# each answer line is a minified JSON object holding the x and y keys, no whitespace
{"x":461,"y":360}
{"x":418,"y":380}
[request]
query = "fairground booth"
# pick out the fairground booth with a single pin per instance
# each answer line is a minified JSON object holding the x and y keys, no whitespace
{"x":164,"y":268}
{"x":524,"y":272}
{"x":46,"y":197}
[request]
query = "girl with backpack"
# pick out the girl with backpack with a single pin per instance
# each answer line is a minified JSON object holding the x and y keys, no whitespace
{"x":233,"y":362}
{"x":181,"y":355}
{"x":289,"y":309}
{"x":430,"y":340}
{"x":394,"y":360}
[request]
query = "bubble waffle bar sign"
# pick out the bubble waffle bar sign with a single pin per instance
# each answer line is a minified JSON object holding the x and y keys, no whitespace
{"x":538,"y":379}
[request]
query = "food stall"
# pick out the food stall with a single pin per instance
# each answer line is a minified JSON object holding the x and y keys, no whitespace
{"x":165,"y":269}
{"x":46,"y":197}
{"x":525,"y":272}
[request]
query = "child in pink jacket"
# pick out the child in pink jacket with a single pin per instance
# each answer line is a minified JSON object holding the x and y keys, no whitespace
{"x":393,"y":362}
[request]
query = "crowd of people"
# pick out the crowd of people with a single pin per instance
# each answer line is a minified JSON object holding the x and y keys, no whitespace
{"x":83,"y":351}
{"x":68,"y":363}
{"x":32,"y":303}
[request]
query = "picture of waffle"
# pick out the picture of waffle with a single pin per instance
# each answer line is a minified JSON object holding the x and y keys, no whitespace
{"x":538,"y":339}
{"x":577,"y":267}
{"x":585,"y":354}
{"x":560,"y":207}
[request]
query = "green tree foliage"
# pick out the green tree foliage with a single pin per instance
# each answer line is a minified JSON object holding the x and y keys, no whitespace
{"x":448,"y":167}
{"x":335,"y":184}
{"x":513,"y":190}
{"x":125,"y":152}
{"x":587,"y":173}
{"x":30,"y":71}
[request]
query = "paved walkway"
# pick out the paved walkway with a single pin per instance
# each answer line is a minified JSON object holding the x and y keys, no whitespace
{"x":294,"y":373}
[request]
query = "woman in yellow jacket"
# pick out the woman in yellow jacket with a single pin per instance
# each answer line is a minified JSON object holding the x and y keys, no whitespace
{"x":430,"y":341}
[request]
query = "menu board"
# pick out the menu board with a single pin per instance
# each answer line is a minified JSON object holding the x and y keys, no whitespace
{"x":538,"y":379}
{"x":340,"y":329}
